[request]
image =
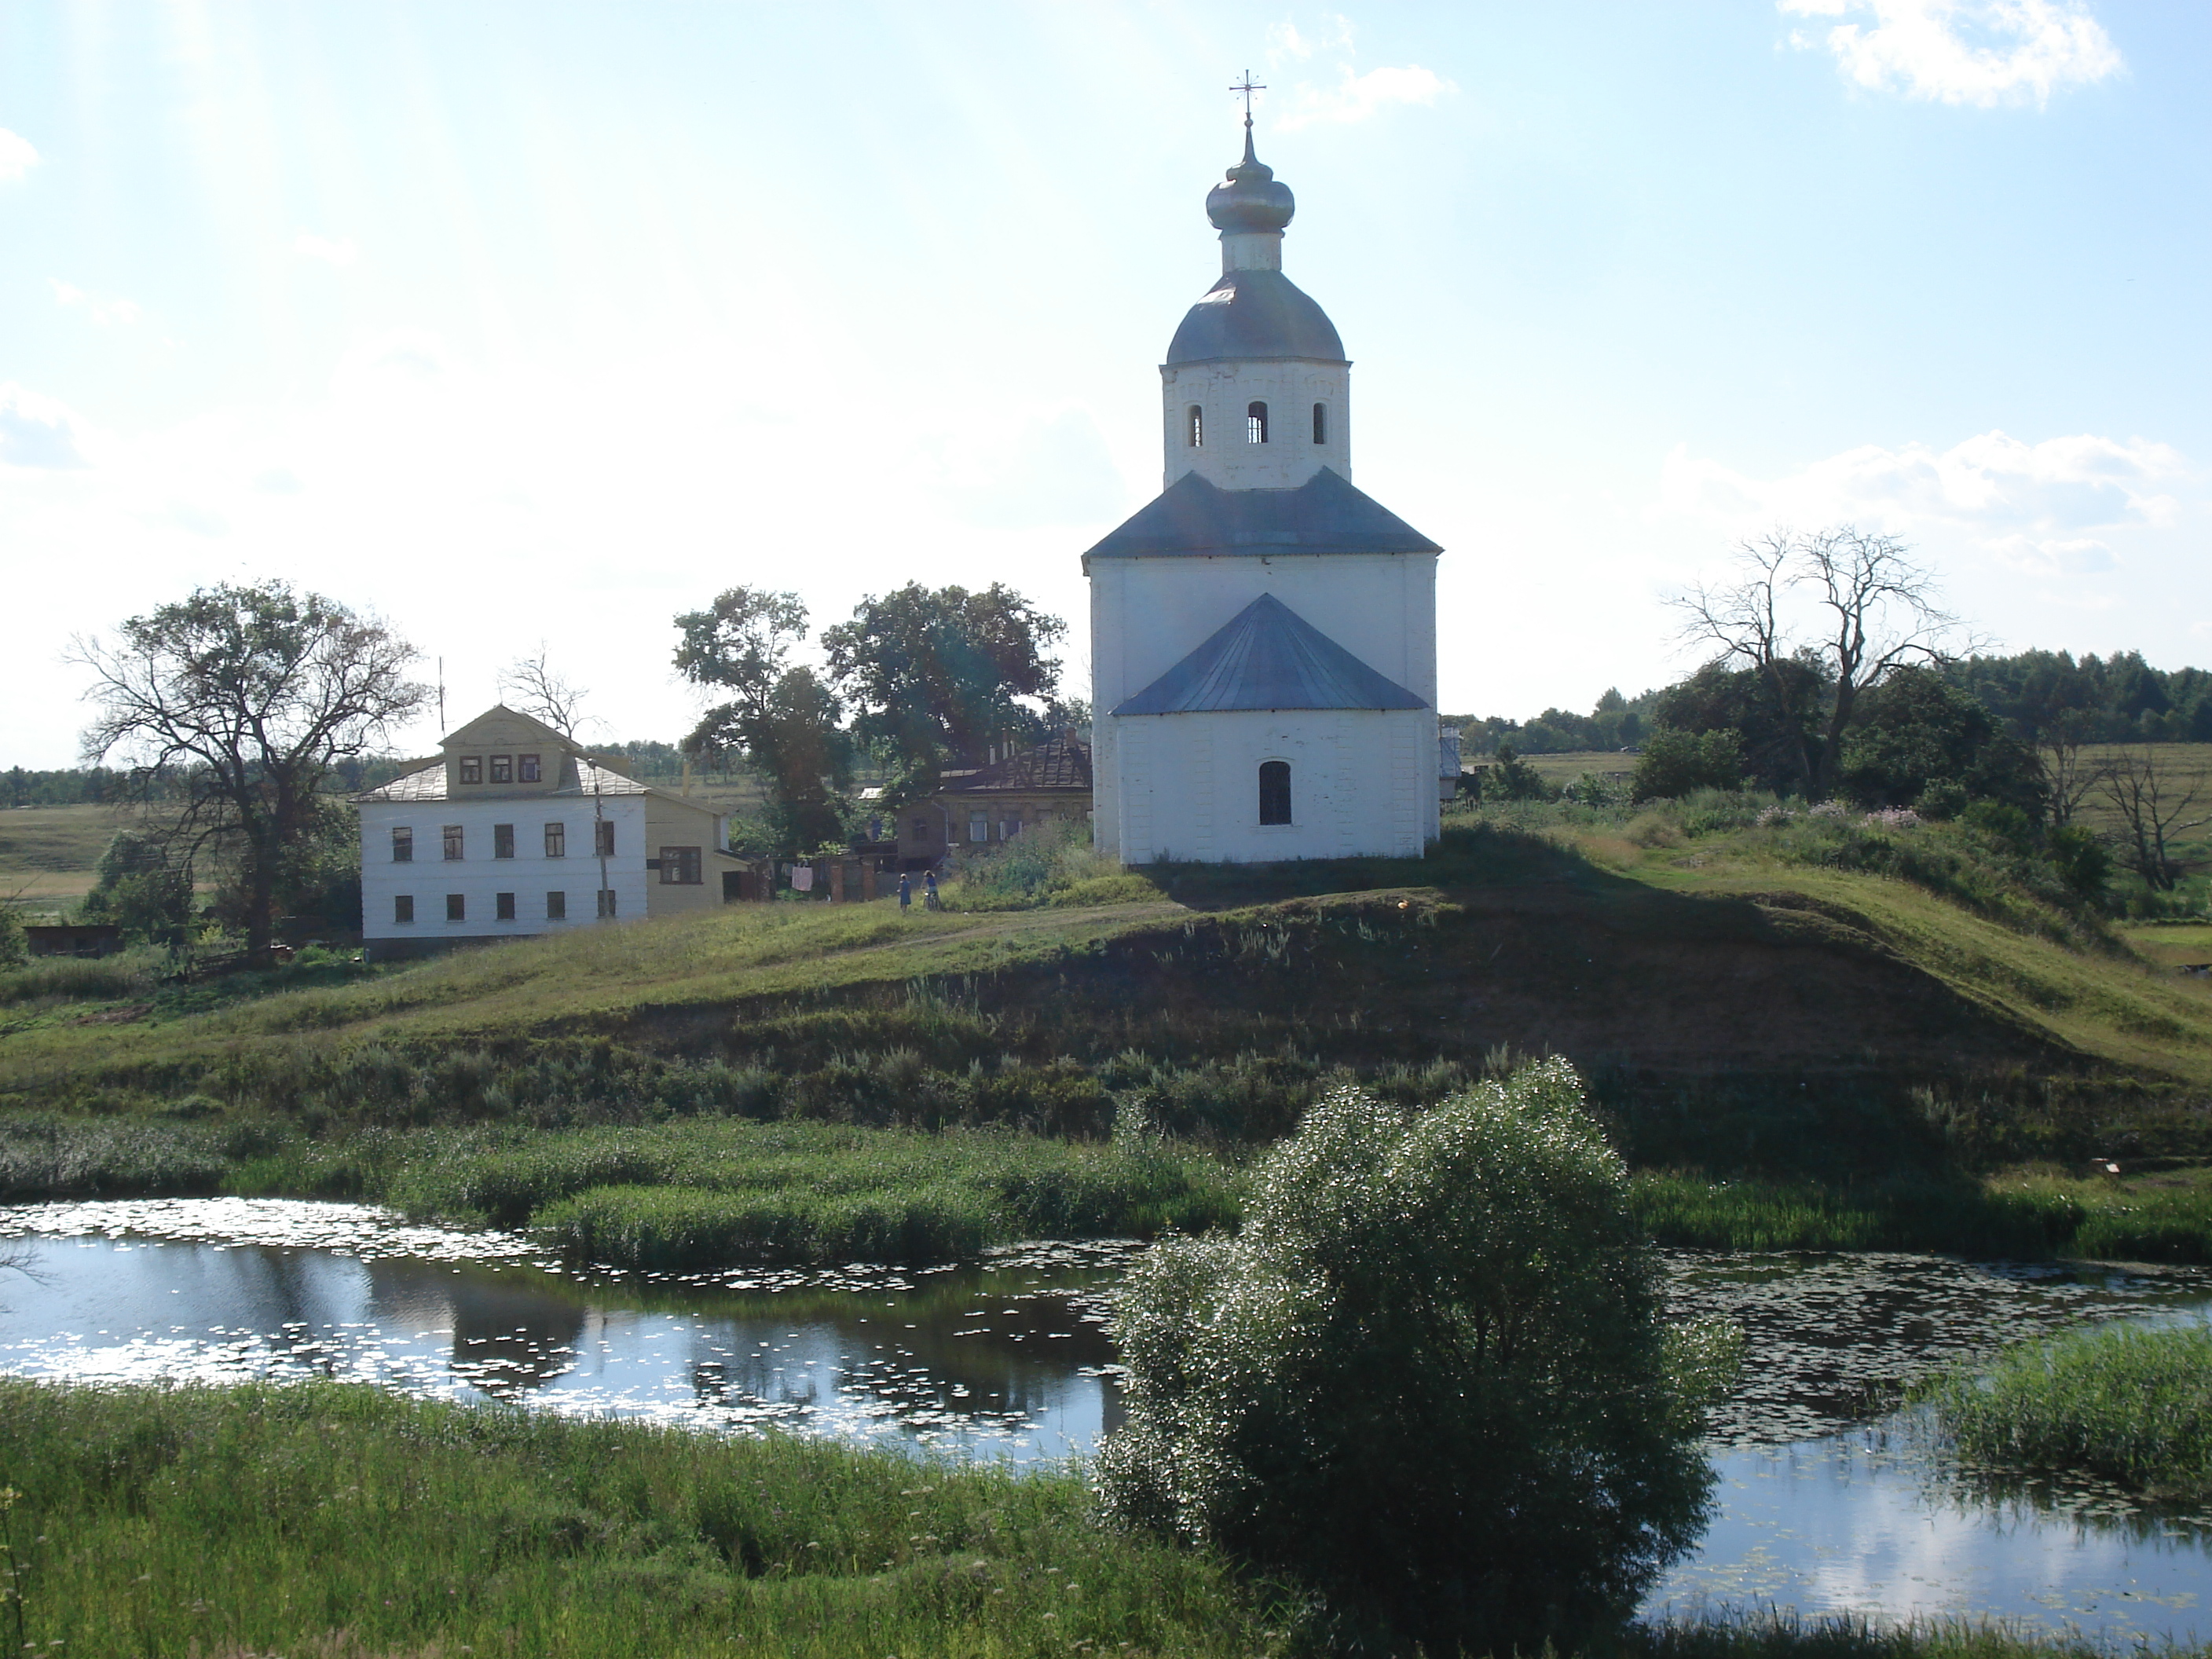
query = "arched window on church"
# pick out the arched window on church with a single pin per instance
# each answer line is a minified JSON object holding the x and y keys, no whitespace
{"x":1320,"y":424}
{"x":1274,"y":791}
{"x":1194,"y":427}
{"x":1255,"y":424}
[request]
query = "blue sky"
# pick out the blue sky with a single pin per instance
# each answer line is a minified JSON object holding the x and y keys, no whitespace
{"x":541,"y":323}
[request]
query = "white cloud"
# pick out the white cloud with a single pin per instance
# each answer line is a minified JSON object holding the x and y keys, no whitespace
{"x":1982,"y":52}
{"x":1285,"y":40}
{"x":102,"y":312}
{"x":339,"y":250}
{"x":36,"y":432}
{"x":2083,"y":557}
{"x":2013,"y":495}
{"x":17,"y":157}
{"x":1356,"y":97}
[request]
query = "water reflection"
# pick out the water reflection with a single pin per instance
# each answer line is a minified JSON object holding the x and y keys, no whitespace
{"x":1008,"y":1358}
{"x":1818,"y":1512}
{"x":1867,"y":1523}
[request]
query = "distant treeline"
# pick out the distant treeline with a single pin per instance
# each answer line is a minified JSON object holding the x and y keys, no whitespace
{"x":2116,"y":699}
{"x":649,"y":761}
{"x":97,"y":785}
{"x":1616,"y":722}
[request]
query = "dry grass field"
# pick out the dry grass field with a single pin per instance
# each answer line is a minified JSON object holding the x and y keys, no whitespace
{"x":48,"y":853}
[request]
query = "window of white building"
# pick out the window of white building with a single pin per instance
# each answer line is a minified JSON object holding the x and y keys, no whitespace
{"x":1274,"y":791}
{"x":1255,"y":423}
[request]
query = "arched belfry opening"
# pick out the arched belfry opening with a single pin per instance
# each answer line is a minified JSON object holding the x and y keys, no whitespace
{"x":1195,"y":428}
{"x":1274,"y":791}
{"x":1255,"y":423}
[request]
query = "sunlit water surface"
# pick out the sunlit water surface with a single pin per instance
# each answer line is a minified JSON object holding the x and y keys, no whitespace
{"x":1820,"y":1510}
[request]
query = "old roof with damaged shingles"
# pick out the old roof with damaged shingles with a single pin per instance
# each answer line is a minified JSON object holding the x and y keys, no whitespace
{"x":1267,"y":656}
{"x":1060,"y":763}
{"x":1325,"y":515}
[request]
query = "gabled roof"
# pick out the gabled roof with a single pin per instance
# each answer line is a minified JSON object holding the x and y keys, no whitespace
{"x":1325,"y":515}
{"x":1267,"y":656}
{"x":500,"y":716}
{"x":578,"y":778}
{"x":1062,"y":761}
{"x":1255,"y":314}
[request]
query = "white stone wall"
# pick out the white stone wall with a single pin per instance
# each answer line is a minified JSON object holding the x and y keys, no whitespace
{"x":1226,"y":390}
{"x":480,"y":877}
{"x":1146,"y":615}
{"x":1362,"y":782}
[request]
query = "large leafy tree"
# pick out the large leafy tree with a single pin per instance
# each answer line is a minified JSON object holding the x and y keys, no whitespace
{"x":1917,"y":729}
{"x":1430,"y":1378}
{"x":244,"y":697}
{"x":935,"y":676}
{"x":1851,"y":607}
{"x":782,"y":720}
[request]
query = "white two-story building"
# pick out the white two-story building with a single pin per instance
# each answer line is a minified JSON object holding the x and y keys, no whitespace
{"x":517,"y":830}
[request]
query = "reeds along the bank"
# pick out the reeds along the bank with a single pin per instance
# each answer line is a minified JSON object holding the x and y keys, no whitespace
{"x":331,"y":1520}
{"x":2132,"y":1404}
{"x":2041,"y":1217}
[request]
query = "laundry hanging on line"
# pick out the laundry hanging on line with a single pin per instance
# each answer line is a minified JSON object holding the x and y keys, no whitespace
{"x":802,"y":877}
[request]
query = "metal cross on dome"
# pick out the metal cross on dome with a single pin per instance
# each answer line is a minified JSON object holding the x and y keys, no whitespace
{"x":1248,"y":87}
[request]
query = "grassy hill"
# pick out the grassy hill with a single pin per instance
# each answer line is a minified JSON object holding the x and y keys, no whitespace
{"x":1740,"y":1005}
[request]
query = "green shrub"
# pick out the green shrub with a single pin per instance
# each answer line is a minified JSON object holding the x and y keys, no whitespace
{"x":1511,"y":778}
{"x":1674,"y":763}
{"x":1429,"y":1378}
{"x":1037,"y":867}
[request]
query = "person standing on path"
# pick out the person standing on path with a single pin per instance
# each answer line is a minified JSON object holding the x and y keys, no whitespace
{"x":929,"y":890}
{"x":906,"y":892}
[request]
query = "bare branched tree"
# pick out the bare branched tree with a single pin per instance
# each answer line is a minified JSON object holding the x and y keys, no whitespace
{"x":2071,"y":773}
{"x":1872,"y":609}
{"x":533,"y":686}
{"x":244,"y":697}
{"x":2156,"y":809}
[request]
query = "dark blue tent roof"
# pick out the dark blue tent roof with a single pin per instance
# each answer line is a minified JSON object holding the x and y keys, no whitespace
{"x":1325,"y":515}
{"x":1268,"y":657}
{"x":1256,"y":313}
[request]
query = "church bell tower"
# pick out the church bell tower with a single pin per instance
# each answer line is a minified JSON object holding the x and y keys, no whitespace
{"x":1263,"y":635}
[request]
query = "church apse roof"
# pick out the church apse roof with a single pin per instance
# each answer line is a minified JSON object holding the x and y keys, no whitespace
{"x":1267,"y":656}
{"x":1325,"y":515}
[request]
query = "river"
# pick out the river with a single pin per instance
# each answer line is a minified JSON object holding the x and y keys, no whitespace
{"x":1826,"y":1503}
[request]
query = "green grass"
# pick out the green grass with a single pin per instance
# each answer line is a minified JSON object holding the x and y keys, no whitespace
{"x":48,"y":853}
{"x":331,"y":1521}
{"x":336,"y":1520}
{"x":2026,"y":1216}
{"x":2130,"y":1405}
{"x":685,"y":1194}
{"x":1742,"y":1015}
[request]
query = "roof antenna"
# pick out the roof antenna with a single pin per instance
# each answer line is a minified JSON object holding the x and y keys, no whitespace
{"x":442,"y":696}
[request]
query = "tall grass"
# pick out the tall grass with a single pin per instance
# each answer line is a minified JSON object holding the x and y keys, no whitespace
{"x":703,"y":1195}
{"x":2133,"y":1406}
{"x":324,"y":1519}
{"x":81,"y":979}
{"x":2040,"y":1216}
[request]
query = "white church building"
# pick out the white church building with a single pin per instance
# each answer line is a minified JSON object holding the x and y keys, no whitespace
{"x":1263,"y":636}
